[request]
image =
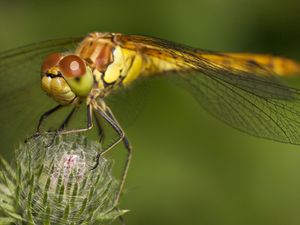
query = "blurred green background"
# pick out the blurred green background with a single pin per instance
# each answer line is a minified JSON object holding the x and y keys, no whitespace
{"x":188,"y":168}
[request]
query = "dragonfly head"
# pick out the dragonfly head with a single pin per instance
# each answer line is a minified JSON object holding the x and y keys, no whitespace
{"x":66,"y":77}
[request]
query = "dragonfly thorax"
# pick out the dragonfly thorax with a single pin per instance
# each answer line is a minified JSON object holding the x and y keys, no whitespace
{"x":112,"y":65}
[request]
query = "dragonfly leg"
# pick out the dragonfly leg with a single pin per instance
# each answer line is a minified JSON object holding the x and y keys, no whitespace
{"x":100,"y":129}
{"x":63,"y":125}
{"x":125,"y":140}
{"x":45,"y":115}
{"x":67,"y":119}
{"x":110,"y":118}
{"x":128,"y":148}
{"x":115,"y":126}
{"x":41,"y":120}
{"x":88,"y":127}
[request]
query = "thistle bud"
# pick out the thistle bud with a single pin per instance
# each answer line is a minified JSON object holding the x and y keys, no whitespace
{"x":54,"y":184}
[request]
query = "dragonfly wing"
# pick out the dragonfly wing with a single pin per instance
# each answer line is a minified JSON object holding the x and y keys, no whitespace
{"x":21,"y":98}
{"x":127,"y":103}
{"x":271,"y":118}
{"x":249,"y":98}
{"x":260,"y":105}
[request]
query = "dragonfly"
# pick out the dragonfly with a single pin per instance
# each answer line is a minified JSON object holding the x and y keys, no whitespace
{"x":245,"y":90}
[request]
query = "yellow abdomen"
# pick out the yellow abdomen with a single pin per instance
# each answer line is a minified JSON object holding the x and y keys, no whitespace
{"x":256,"y":63}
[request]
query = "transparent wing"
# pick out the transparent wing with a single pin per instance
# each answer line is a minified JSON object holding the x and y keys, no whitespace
{"x":21,"y":99}
{"x":262,"y":116}
{"x":128,"y":103}
{"x":252,"y":100}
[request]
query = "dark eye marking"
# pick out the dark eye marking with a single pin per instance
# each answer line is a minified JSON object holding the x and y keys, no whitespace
{"x":53,"y":75}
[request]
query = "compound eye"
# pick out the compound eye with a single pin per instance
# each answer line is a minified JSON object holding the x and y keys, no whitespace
{"x":50,"y":61}
{"x":72,"y":66}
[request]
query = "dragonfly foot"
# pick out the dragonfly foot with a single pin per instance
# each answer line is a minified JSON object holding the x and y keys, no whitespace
{"x":55,"y":134}
{"x":97,"y":161}
{"x":37,"y":134}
